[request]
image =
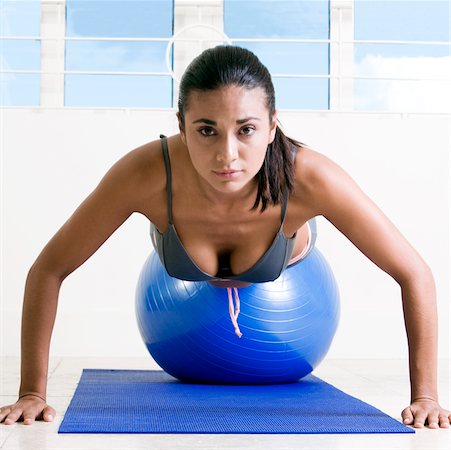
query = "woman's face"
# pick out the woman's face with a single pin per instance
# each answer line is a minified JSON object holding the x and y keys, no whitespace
{"x":227,"y":132}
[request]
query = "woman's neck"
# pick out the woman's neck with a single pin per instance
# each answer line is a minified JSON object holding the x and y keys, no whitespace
{"x":243,"y":198}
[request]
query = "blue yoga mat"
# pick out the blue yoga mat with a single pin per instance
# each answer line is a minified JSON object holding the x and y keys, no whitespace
{"x":138,"y":401}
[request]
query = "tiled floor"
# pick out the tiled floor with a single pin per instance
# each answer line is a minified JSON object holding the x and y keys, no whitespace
{"x":382,"y":383}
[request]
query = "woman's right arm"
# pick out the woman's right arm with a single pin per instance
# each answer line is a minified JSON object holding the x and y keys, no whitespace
{"x":117,"y":196}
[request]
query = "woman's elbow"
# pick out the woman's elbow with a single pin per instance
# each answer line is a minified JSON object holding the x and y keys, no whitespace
{"x":416,"y":274}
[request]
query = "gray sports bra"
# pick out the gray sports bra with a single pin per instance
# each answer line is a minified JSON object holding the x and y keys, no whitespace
{"x":179,"y":264}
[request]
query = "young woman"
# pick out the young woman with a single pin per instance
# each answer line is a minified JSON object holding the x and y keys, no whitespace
{"x":237,"y":187}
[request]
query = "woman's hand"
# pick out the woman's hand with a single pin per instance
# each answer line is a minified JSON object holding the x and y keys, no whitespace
{"x":28,"y":408}
{"x":425,"y":411}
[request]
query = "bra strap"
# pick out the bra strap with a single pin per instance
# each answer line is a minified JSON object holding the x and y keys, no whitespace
{"x":167,"y":163}
{"x":285,"y":195}
{"x":284,"y":206}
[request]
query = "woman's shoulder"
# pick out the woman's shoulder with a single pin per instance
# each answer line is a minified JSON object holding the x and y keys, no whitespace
{"x":142,"y":160}
{"x":316,"y":174}
{"x":142,"y":174}
{"x":139,"y":174}
{"x":149,"y":156}
{"x":145,"y":164}
{"x":312,"y":168}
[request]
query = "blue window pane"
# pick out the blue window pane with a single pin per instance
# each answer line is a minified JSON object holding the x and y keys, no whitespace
{"x":277,"y":18}
{"x":21,"y":55}
{"x":414,"y":20}
{"x":301,"y":93}
{"x":141,"y":18}
{"x":286,"y":19}
{"x":20,"y":89}
{"x":133,"y":91}
{"x":291,"y":57}
{"x":20,"y":18}
{"x":116,"y":56}
{"x":131,"y":19}
{"x":406,"y":20}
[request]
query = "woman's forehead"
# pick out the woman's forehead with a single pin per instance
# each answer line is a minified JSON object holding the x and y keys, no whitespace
{"x":227,"y":98}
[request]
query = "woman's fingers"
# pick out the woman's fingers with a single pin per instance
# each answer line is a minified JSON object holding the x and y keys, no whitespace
{"x":444,"y":420}
{"x":4,"y":411}
{"x":29,"y":410}
{"x":433,"y":419}
{"x":407,"y":416}
{"x":13,"y":415}
{"x":28,"y":418}
{"x":420,"y":419}
{"x":48,"y":414}
{"x":430,"y":413}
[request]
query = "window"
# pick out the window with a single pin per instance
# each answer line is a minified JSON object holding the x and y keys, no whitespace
{"x":300,"y":70}
{"x":362,"y":55}
{"x":139,"y":31}
{"x":426,"y":61}
{"x":20,"y":20}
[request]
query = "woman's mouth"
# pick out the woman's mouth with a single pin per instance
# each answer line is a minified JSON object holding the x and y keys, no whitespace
{"x":229,"y":173}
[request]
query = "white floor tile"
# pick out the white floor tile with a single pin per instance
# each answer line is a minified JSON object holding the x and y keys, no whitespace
{"x":44,"y":437}
{"x":5,"y":432}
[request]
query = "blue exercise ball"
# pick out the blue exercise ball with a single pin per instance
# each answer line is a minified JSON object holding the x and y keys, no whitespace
{"x":287,"y":324}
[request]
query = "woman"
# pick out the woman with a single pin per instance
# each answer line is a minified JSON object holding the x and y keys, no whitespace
{"x":237,"y":187}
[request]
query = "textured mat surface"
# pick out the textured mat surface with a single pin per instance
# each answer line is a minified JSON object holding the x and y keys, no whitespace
{"x":129,"y":401}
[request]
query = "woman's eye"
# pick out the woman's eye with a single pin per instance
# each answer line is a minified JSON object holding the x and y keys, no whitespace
{"x":247,"y":130}
{"x":206,"y":131}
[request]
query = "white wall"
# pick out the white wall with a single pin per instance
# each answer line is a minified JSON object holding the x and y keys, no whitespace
{"x":53,"y":158}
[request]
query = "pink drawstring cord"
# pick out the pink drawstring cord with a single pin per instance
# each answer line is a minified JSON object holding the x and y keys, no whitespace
{"x":234,"y":311}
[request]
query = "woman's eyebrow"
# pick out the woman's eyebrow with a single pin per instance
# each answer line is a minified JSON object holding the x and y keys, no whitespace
{"x":207,"y":121}
{"x":212,"y":122}
{"x":247,"y":119}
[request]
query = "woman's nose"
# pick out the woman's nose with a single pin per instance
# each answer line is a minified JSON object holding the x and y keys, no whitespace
{"x":228,"y":151}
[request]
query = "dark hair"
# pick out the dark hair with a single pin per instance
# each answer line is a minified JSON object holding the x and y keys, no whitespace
{"x":236,"y":66}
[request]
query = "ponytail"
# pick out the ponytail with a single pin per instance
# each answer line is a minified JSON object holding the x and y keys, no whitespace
{"x":276,"y":176}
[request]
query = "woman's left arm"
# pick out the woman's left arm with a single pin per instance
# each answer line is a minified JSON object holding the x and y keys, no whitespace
{"x":338,"y":198}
